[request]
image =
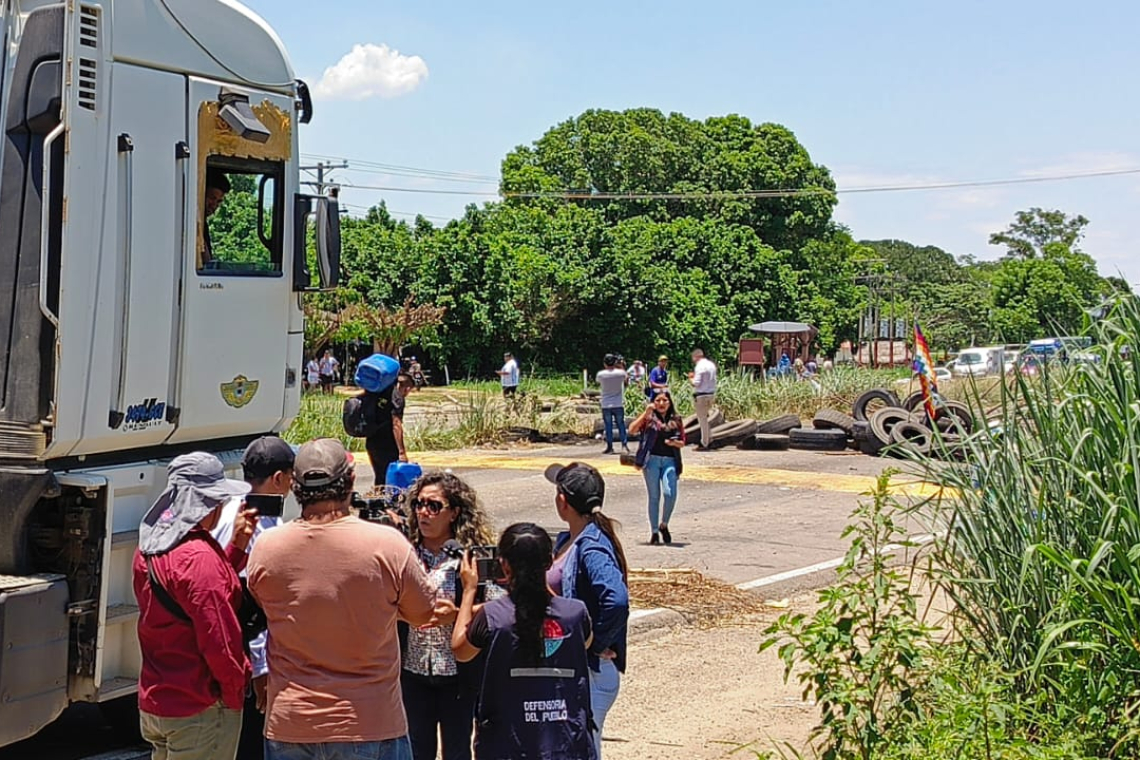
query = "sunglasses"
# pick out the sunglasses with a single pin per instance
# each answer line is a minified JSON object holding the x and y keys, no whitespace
{"x":433,"y":506}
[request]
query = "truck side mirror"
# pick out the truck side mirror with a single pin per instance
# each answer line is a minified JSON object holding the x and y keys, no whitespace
{"x":325,"y":213}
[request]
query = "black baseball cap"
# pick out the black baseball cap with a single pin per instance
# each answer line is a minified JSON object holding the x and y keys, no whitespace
{"x":267,"y":456}
{"x":580,"y":483}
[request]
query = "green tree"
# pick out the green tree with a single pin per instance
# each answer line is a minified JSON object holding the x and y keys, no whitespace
{"x":1033,"y":231}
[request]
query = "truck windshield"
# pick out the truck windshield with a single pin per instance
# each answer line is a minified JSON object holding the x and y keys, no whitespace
{"x":969,"y":358}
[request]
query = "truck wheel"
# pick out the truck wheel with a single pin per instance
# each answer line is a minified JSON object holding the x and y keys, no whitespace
{"x":872,"y":401}
{"x":829,"y":419}
{"x":779,"y":425}
{"x":811,"y":439}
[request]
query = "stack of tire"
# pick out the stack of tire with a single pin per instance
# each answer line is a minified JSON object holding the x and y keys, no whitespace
{"x":882,"y":424}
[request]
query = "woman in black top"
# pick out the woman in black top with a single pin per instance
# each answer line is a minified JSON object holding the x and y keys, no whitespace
{"x":659,"y":458}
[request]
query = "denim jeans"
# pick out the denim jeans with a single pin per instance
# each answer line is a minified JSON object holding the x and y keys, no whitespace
{"x":392,"y":749}
{"x":604,"y":687}
{"x":611,"y":417}
{"x":660,"y":481}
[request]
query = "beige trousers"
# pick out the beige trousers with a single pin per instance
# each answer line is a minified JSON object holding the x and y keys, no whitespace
{"x":703,"y":406}
{"x":212,"y":734}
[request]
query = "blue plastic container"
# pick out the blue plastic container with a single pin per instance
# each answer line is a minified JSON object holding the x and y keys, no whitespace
{"x":377,"y":373}
{"x":401,"y":475}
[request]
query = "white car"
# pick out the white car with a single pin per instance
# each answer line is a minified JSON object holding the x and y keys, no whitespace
{"x":941,"y":375}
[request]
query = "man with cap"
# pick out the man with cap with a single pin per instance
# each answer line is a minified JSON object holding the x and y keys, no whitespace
{"x":194,"y":670}
{"x":590,"y":565}
{"x":509,"y":375}
{"x":268,"y":469}
{"x":333,"y":587}
{"x":658,"y":377}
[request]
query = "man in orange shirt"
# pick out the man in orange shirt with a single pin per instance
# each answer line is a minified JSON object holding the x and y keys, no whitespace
{"x":332,"y":587}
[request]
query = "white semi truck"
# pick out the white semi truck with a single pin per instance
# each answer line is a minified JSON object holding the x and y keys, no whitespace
{"x":138,"y":322}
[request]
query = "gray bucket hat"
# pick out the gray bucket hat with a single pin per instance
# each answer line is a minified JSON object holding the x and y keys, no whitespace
{"x":196,"y":486}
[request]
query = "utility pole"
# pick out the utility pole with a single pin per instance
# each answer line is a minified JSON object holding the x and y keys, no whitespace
{"x":320,"y":170}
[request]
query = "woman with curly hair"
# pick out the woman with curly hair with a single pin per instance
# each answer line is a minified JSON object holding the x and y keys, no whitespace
{"x":439,"y":697}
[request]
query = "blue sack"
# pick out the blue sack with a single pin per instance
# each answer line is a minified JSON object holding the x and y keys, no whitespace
{"x":401,"y":475}
{"x":377,"y":373}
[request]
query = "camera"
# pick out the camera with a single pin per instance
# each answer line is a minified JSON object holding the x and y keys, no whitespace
{"x":486,"y":563}
{"x":379,"y":510}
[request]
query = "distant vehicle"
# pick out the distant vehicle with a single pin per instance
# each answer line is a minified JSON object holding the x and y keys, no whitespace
{"x":1011,"y":359}
{"x":1064,"y":349}
{"x":979,"y":362}
{"x":941,"y":375}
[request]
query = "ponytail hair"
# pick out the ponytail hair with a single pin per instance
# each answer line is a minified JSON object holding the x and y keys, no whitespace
{"x":528,"y":551}
{"x":609,"y":526}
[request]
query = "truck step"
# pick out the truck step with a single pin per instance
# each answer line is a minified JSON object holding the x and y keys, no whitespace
{"x":119,"y":686}
{"x":119,"y":614}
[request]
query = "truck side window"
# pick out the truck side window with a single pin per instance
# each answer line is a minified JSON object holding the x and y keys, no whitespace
{"x":242,"y":219}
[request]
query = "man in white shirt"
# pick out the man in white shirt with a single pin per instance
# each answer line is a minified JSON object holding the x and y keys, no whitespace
{"x":703,"y":378}
{"x":268,"y":468}
{"x":612,"y":379}
{"x":509,"y":375}
{"x":329,"y":366}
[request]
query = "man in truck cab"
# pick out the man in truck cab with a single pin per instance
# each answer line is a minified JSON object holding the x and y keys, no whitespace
{"x":194,"y":669}
{"x":217,"y":187}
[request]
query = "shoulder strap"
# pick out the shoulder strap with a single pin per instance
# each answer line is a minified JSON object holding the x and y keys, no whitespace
{"x":162,"y":595}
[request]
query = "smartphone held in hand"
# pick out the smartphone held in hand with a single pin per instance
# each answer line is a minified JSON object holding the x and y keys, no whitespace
{"x":266,"y":504}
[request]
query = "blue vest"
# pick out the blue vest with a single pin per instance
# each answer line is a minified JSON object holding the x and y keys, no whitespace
{"x":536,"y":713}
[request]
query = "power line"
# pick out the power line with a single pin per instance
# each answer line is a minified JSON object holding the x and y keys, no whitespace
{"x":752,"y":194}
{"x":419,"y":171}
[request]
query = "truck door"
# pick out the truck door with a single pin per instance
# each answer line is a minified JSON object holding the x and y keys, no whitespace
{"x":237,"y":300}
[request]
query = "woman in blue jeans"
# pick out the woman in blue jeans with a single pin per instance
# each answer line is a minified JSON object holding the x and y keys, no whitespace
{"x":659,"y":457}
{"x":589,"y":565}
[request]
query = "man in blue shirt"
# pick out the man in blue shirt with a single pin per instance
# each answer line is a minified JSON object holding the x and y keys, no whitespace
{"x":658,"y":377}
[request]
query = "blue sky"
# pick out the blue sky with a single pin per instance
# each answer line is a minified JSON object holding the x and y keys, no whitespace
{"x":882,"y":93}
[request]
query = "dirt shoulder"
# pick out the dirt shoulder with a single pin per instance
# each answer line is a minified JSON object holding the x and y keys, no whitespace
{"x":706,"y":693}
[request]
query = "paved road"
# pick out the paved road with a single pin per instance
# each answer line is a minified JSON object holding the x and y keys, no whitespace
{"x":740,"y":516}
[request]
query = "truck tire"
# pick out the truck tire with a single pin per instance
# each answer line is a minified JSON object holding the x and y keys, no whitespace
{"x":871,"y":401}
{"x":811,"y":439}
{"x":913,"y":401}
{"x":732,"y":433}
{"x":911,"y":435}
{"x":962,"y":413}
{"x":861,"y":431}
{"x":693,"y":427}
{"x":829,"y":419}
{"x":871,"y":446}
{"x":884,"y":420}
{"x":779,"y":425}
{"x":766,"y":442}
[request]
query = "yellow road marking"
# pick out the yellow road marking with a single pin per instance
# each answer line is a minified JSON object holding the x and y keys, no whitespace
{"x":737,"y":474}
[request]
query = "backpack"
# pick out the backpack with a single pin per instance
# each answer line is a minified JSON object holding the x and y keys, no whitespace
{"x":361,"y":416}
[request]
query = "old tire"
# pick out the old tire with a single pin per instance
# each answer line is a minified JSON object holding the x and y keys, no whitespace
{"x":913,"y":436}
{"x":732,"y":433}
{"x":766,"y":442}
{"x":829,"y":419}
{"x":861,"y":431}
{"x":961,"y":413}
{"x":884,"y":420}
{"x":812,"y":439}
{"x":693,"y":426}
{"x":913,"y":401}
{"x":871,"y":401}
{"x":779,"y":425}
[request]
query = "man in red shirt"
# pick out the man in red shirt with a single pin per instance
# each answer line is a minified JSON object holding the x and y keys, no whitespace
{"x":194,"y":669}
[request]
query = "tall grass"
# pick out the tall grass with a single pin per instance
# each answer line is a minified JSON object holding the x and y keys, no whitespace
{"x":1042,"y":547}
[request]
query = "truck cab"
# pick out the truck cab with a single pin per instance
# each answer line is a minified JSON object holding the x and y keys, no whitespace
{"x":153,"y":256}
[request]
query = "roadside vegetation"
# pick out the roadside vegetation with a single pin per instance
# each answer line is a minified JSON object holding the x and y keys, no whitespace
{"x":1036,"y":564}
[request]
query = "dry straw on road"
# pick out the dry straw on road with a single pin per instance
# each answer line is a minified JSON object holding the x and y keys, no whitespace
{"x":701,"y":600}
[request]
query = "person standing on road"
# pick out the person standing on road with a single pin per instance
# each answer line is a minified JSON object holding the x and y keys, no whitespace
{"x":313,"y":374}
{"x":659,"y":459}
{"x":377,"y":415}
{"x":637,"y":373}
{"x":612,"y":380}
{"x":267,"y":466}
{"x":439,"y":693}
{"x":535,"y":696}
{"x":332,"y":587}
{"x":703,"y":378}
{"x":658,"y":377}
{"x":509,"y":375}
{"x":590,"y":565}
{"x":194,"y":672}
{"x":328,"y":366}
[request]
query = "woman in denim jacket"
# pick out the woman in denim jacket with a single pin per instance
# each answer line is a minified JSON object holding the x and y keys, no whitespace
{"x":590,"y":565}
{"x":659,"y":459}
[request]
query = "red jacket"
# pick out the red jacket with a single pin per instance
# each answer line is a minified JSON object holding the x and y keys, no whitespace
{"x":190,"y":666}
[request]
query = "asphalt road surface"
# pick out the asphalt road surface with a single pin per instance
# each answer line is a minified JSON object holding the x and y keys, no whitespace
{"x":740,"y":516}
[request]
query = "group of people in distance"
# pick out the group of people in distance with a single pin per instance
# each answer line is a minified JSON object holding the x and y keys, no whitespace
{"x":330,"y":637}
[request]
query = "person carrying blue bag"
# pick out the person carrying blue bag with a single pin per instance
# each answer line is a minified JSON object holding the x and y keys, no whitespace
{"x":377,"y":415}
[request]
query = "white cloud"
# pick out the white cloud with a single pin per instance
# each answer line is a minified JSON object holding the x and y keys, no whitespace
{"x":369,"y":71}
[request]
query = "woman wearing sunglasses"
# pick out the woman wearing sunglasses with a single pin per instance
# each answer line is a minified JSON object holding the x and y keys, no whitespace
{"x":438,"y":696}
{"x":659,"y":459}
